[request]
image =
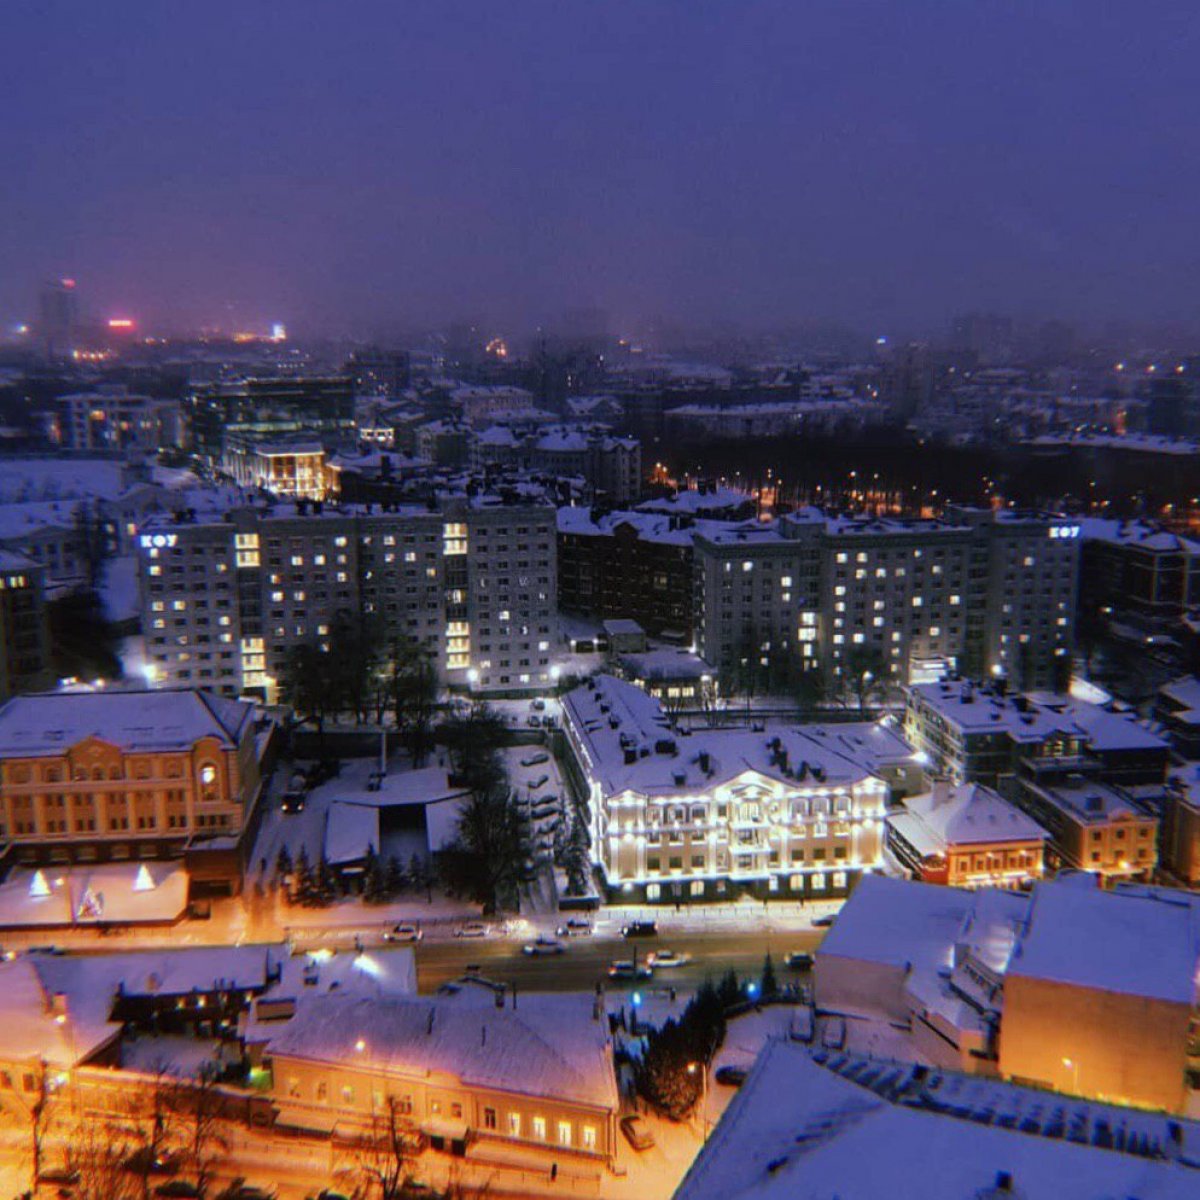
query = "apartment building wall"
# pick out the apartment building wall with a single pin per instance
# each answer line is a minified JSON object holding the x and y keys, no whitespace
{"x":225,"y":602}
{"x":24,"y":634}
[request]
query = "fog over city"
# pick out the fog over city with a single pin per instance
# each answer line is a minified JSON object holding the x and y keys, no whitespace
{"x":358,"y":168}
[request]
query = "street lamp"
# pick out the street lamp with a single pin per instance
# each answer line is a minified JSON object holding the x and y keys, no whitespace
{"x":1073,"y":1067}
{"x":692,"y":1068}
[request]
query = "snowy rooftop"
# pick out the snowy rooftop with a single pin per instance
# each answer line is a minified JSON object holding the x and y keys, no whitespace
{"x":48,"y":723}
{"x":549,"y":1045}
{"x":1090,"y":801}
{"x":1035,"y":717}
{"x":618,"y":722}
{"x":1136,"y":533}
{"x":1139,"y":944}
{"x":961,"y":815}
{"x":664,"y":664}
{"x":812,"y":1126}
{"x":650,"y":527}
{"x":61,"y":896}
{"x":28,"y":479}
{"x":694,"y":502}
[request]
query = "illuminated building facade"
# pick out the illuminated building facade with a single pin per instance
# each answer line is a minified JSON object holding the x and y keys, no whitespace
{"x":91,"y":777}
{"x":226,"y":599}
{"x":110,"y":418}
{"x":983,"y":592}
{"x":707,"y":816}
{"x":291,"y":470}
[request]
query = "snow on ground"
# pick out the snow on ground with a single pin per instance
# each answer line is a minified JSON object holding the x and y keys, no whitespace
{"x":180,"y":1056}
{"x":119,"y":589}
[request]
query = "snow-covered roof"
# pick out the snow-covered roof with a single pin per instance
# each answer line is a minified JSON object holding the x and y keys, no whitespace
{"x":350,"y":831}
{"x":582,"y":520}
{"x":811,"y":1125}
{"x":128,"y":893}
{"x":961,"y":815}
{"x":1088,"y":800}
{"x":617,"y":721}
{"x":548,"y":1046}
{"x":1143,"y":534}
{"x":46,"y":723}
{"x":1138,"y":943}
{"x":31,"y":479}
{"x":665,"y":664}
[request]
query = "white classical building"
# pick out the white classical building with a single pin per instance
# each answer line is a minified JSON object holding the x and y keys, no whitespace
{"x":693,"y":816}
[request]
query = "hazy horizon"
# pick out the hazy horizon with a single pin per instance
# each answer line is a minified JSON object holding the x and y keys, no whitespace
{"x":353,"y":168}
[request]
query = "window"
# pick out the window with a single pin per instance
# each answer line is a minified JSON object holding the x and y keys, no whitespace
{"x":322,"y":1092}
{"x":347,"y":1094}
{"x":539,"y":1128}
{"x":489,"y":1118}
{"x":564,"y":1133}
{"x":514,"y":1124}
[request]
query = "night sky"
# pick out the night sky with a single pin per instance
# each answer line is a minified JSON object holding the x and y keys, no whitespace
{"x":344,"y":164}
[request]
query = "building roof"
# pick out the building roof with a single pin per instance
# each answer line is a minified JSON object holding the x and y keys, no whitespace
{"x":48,"y":723}
{"x":962,"y":815}
{"x":1089,"y":801}
{"x":128,"y":893}
{"x":1135,"y":942}
{"x":812,"y":1126}
{"x":549,"y":1045}
{"x":632,"y":745}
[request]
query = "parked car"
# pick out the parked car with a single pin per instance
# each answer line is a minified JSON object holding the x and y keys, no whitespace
{"x":406,"y":931}
{"x":667,"y":958}
{"x":824,"y":921}
{"x":329,"y":1194}
{"x":540,"y":781}
{"x":472,"y":929}
{"x":538,"y":705}
{"x":640,"y":929}
{"x":239,"y":1189}
{"x":731,"y":1076}
{"x":626,"y":968}
{"x":535,"y":760}
{"x":637,"y":1133}
{"x":575,"y":927}
{"x":292,"y":802}
{"x":144,"y":1162}
{"x":534,"y":720}
{"x":177,"y":1189}
{"x":59,"y":1175}
{"x":544,"y":946}
{"x":799,"y":960}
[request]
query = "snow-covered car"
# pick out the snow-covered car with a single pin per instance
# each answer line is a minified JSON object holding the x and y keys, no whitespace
{"x":574,"y":927}
{"x":406,"y":931}
{"x":667,"y":958}
{"x":536,"y":760}
{"x":472,"y":929}
{"x":637,"y":1133}
{"x":544,"y":946}
{"x":824,"y":921}
{"x":799,"y":960}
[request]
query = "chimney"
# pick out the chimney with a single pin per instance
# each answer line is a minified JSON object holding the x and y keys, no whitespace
{"x":705,"y":761}
{"x":942,"y":792}
{"x":58,"y":1004}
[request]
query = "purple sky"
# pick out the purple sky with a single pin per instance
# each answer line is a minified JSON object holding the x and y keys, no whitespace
{"x":351,"y":162}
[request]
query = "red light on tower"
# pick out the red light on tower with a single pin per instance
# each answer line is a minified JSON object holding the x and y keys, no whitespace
{"x":120,"y":324}
{"x":67,"y":283}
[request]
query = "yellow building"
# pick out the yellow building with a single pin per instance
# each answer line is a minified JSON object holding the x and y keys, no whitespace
{"x":110,"y":776}
{"x":534,"y":1072}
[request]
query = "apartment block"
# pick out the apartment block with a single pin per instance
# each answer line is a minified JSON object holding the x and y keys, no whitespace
{"x":227,"y":596}
{"x":24,"y":635}
{"x":978,"y":591}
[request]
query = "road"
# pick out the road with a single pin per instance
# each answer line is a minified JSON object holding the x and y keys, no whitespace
{"x":586,"y":960}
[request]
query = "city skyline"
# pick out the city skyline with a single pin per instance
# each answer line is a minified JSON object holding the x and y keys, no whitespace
{"x":860,"y":164}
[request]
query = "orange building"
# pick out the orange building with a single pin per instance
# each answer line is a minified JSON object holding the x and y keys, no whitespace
{"x":110,"y":776}
{"x":966,"y":835}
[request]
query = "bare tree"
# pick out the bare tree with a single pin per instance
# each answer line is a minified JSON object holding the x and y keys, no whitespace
{"x":153,"y":1111}
{"x":386,"y":1154}
{"x":99,"y":1152}
{"x":37,"y":1101}
{"x":198,"y":1108}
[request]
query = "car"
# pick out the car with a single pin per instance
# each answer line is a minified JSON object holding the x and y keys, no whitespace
{"x":626,"y":968}
{"x":574,"y":927}
{"x":545,"y":809}
{"x":667,"y":958}
{"x":824,"y":921}
{"x":799,"y":960}
{"x":538,"y":705}
{"x":544,"y":946}
{"x":292,"y":802}
{"x":535,"y":760}
{"x":472,"y":929}
{"x":534,"y":720}
{"x":640,"y":929}
{"x":239,"y":1189}
{"x":731,"y":1076}
{"x":59,"y":1175}
{"x":144,"y":1162}
{"x":406,"y":931}
{"x":540,"y":781}
{"x":179,"y":1189}
{"x":330,"y":1194}
{"x":637,"y":1133}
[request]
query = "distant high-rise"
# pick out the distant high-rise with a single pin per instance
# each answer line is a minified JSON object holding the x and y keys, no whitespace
{"x":58,"y":325}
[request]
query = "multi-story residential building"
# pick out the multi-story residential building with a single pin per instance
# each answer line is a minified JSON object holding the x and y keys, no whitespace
{"x":226,"y":597}
{"x":1094,"y":827}
{"x":291,"y":470}
{"x":1177,"y":706}
{"x":24,"y":635}
{"x":692,"y":817}
{"x":112,"y":419}
{"x":267,"y":409}
{"x":626,"y":564}
{"x":980,"y":734}
{"x":966,"y":836}
{"x":978,"y":591}
{"x":100,"y":776}
{"x":464,"y":1066}
{"x":1138,"y":572}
